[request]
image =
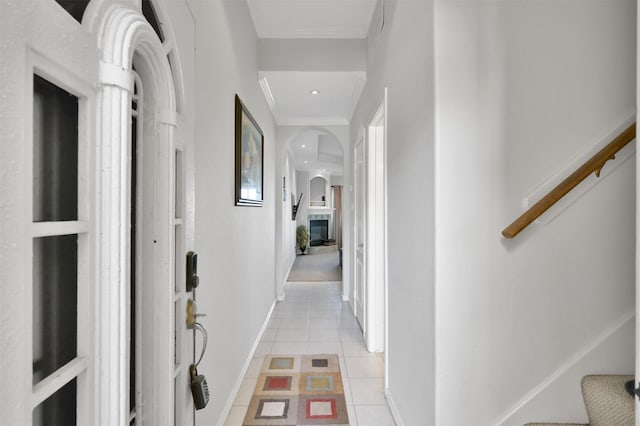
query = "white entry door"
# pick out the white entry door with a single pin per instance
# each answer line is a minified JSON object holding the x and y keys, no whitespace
{"x":359,"y":288}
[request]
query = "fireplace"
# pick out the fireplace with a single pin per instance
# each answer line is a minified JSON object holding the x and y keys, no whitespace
{"x":319,"y":231}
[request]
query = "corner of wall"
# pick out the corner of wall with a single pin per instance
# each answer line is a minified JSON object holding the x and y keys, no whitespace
{"x":395,"y":413}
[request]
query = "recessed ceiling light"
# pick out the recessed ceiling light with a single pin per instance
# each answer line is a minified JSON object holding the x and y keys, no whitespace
{"x":304,"y":146}
{"x":315,"y":92}
{"x":305,"y":162}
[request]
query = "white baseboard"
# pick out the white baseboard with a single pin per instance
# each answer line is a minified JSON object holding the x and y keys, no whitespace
{"x":236,"y":387}
{"x":281,"y":297}
{"x":394,"y":409}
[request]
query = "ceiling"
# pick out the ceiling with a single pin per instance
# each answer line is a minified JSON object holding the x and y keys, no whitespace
{"x":311,"y":18}
{"x":288,"y":92}
{"x":294,"y":104}
{"x":318,"y":151}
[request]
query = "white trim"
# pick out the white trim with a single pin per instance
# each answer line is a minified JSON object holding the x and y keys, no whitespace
{"x":266,"y":89}
{"x":79,"y":81}
{"x":281,"y":297}
{"x":564,"y":367}
{"x":311,"y":121}
{"x":56,"y":380}
{"x":637,"y":232}
{"x":122,"y":32}
{"x":357,"y":92}
{"x":168,"y":117}
{"x":236,"y":387}
{"x":375,"y":230}
{"x":50,"y":229}
{"x":113,"y":75}
{"x":359,"y":185}
{"x":393,"y":408}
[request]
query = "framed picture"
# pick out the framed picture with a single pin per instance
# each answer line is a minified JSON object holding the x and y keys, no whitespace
{"x":249,"y":158}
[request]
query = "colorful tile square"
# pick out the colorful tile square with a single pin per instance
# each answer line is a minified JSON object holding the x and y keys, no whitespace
{"x":281,"y":363}
{"x":321,"y":384}
{"x":277,"y":383}
{"x":321,"y":409}
{"x":271,"y":410}
{"x":320,"y":362}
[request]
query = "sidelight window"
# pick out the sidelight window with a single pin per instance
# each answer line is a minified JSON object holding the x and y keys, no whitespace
{"x":59,"y":256}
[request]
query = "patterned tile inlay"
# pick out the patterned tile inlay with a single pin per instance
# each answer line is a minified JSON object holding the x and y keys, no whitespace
{"x":321,"y":409}
{"x":277,"y":383}
{"x":319,"y":383}
{"x":298,"y":390}
{"x":272,"y":409}
{"x":281,"y":363}
{"x":321,"y":362}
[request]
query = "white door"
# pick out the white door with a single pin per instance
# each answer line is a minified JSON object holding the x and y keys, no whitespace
{"x":376,"y":230}
{"x":359,"y":288}
{"x":47,"y":89}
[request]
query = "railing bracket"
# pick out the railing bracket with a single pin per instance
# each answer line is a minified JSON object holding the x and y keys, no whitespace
{"x":599,"y":169}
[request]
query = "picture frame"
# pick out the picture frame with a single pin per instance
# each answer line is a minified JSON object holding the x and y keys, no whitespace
{"x":249,"y":153}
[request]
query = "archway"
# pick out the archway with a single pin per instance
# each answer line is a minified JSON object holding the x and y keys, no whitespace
{"x":305,"y":153}
{"x":141,"y":203}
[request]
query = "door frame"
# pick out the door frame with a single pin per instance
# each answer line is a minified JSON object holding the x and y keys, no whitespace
{"x":357,"y":188}
{"x":376,"y":229}
{"x":373,"y":139}
{"x":124,"y":37}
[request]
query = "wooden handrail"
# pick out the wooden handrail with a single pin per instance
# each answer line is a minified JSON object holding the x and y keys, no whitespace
{"x":593,"y":165}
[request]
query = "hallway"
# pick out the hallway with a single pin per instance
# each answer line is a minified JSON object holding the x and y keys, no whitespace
{"x":314,"y":320}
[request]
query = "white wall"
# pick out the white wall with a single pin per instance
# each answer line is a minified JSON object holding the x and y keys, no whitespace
{"x":523,"y":88}
{"x":286,"y":250}
{"x":311,"y":55}
{"x":401,"y":59}
{"x":304,"y":187}
{"x":236,"y":245}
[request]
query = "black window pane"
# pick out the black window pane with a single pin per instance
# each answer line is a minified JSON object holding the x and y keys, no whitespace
{"x":152,"y":17}
{"x":55,"y":295}
{"x":75,"y":8}
{"x":59,"y":409}
{"x":55,"y":153}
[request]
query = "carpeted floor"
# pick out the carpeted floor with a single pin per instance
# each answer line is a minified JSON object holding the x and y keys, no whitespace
{"x":322,"y":264}
{"x":298,"y":390}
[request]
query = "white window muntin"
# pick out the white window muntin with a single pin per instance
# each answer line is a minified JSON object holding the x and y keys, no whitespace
{"x":79,"y":367}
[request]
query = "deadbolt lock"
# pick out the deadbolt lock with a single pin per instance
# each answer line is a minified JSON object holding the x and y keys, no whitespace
{"x":191,"y":314}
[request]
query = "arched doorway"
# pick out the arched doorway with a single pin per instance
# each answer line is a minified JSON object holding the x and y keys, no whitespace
{"x":308,"y":153}
{"x":141,"y":186}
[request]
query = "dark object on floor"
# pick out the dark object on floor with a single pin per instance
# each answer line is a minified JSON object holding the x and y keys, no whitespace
{"x":629,"y":386}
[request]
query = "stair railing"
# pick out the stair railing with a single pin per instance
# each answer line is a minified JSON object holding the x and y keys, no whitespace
{"x":593,"y":165}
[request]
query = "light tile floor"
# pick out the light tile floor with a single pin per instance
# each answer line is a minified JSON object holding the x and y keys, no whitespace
{"x":314,"y":320}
